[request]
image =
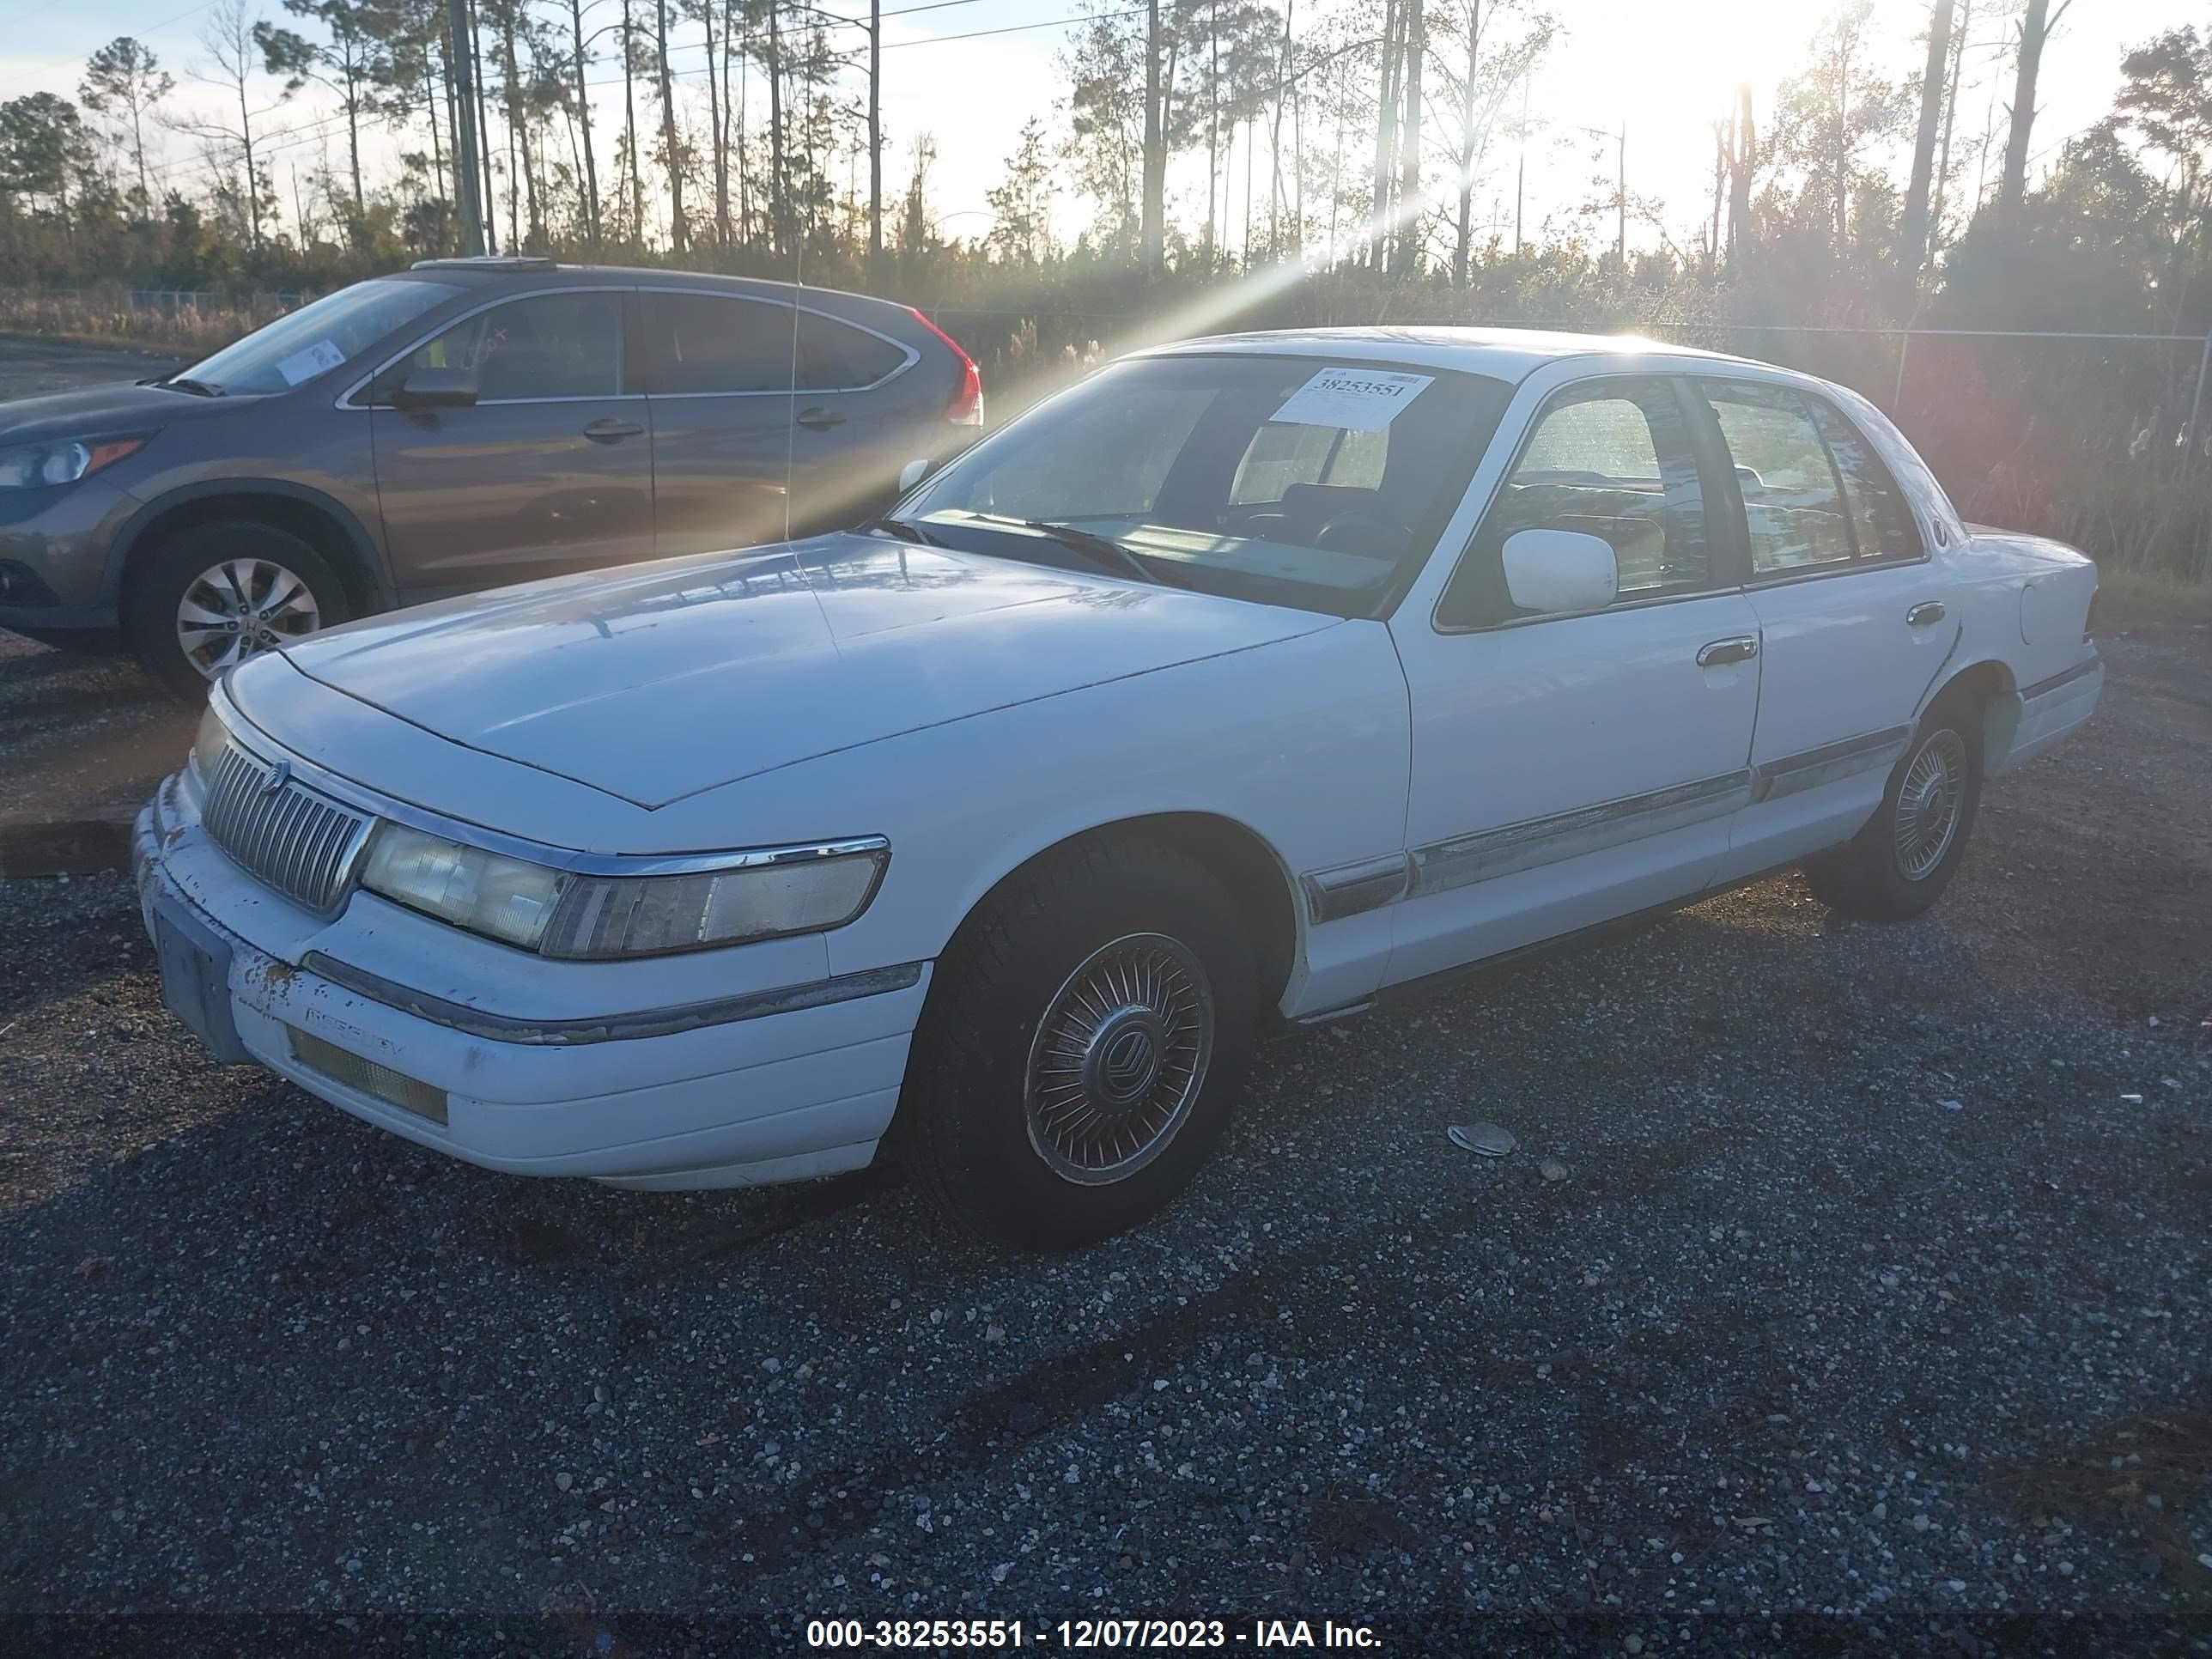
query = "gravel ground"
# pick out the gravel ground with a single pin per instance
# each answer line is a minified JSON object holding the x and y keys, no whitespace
{"x":1866,"y":1311}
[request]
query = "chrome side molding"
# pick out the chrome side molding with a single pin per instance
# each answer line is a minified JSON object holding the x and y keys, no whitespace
{"x":1351,"y":889}
{"x":1463,"y":860}
{"x":1809,"y":768}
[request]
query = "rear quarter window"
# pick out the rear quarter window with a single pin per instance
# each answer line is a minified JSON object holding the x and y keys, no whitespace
{"x":834,"y":357}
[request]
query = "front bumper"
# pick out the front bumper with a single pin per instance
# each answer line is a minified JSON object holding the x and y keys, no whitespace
{"x":761,"y":1096}
{"x":54,"y":550}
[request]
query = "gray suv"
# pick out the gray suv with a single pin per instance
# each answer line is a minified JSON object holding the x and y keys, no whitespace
{"x":463,"y":424}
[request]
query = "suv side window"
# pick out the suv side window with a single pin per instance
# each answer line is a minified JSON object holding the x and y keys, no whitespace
{"x":549,"y":345}
{"x":1612,"y":459}
{"x":834,"y":357}
{"x":706,"y":343}
{"x":1882,"y":524}
{"x":1793,"y":496}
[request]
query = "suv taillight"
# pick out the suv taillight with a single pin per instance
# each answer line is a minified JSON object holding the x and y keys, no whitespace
{"x":966,"y":408}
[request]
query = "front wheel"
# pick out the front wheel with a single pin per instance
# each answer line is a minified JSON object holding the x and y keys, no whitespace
{"x":220,"y":592}
{"x":1899,"y":864}
{"x":1082,"y":1044}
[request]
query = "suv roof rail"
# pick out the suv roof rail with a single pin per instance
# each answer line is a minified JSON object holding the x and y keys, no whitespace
{"x":488,"y":262}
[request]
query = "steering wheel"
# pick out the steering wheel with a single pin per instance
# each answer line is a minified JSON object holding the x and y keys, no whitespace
{"x":1368,"y":530}
{"x":1263,"y":526}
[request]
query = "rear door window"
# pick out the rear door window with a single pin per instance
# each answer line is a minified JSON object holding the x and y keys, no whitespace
{"x":704,"y":343}
{"x":1793,"y":496}
{"x":1882,"y":524}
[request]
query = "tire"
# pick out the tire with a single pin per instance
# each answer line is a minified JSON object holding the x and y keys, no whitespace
{"x":1899,"y":864}
{"x":274,"y":585}
{"x":987,"y":1121}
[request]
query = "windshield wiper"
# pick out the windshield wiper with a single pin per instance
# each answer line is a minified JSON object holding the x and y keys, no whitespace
{"x":1102,"y":550}
{"x":186,"y":383}
{"x":901,"y":528}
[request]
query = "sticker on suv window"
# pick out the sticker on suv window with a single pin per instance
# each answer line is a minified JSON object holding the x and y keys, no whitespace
{"x":1355,"y":400}
{"x":315,"y":360}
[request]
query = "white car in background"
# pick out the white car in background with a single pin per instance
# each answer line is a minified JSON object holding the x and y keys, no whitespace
{"x":1245,"y":682}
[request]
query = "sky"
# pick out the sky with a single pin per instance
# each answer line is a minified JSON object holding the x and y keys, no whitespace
{"x":970,"y":72}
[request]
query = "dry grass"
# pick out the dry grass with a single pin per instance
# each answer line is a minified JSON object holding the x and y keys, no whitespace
{"x":114,"y":322}
{"x":2135,"y":598}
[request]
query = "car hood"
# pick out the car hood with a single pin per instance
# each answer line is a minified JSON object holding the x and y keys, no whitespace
{"x":104,"y":411}
{"x":661,"y":681}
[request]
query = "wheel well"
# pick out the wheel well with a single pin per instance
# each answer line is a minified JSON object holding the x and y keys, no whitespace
{"x":1266,"y":896}
{"x":1982,"y":685}
{"x":311,"y":524}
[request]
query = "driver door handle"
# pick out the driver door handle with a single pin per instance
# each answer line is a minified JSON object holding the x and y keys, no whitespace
{"x":607,"y":431}
{"x":818,"y":419}
{"x":1721,"y":652}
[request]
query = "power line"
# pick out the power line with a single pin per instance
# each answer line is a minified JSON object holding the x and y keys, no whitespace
{"x":151,"y":28}
{"x":1016,"y":28}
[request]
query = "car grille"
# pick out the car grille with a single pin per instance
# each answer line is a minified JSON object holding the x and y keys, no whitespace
{"x":281,"y":832}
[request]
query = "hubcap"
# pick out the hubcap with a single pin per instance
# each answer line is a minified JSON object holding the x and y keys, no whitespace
{"x":237,"y":609}
{"x":1119,"y":1058}
{"x":1928,"y":803}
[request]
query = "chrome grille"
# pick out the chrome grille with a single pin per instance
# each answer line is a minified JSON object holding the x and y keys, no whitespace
{"x":279,"y":831}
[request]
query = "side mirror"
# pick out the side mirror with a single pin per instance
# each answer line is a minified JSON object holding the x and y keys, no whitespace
{"x":1560,"y":570}
{"x":912,"y":474}
{"x":437,"y":388}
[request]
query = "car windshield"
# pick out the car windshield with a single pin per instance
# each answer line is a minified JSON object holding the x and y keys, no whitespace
{"x":319,"y":336}
{"x":1312,"y":481}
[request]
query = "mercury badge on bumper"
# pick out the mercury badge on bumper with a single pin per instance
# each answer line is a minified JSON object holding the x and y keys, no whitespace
{"x":1243,"y":683}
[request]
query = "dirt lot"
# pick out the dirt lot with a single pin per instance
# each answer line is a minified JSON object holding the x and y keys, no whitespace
{"x":1869,"y":1314}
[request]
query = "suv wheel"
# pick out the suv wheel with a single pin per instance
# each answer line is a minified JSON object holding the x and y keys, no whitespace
{"x":214,"y":595}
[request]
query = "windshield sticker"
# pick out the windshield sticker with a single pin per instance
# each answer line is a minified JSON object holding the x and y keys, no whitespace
{"x":1355,"y":400}
{"x":318,"y":358}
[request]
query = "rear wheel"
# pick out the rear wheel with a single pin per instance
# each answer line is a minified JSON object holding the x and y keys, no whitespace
{"x":1083,"y":1045}
{"x":215,"y":594}
{"x":1899,"y":864}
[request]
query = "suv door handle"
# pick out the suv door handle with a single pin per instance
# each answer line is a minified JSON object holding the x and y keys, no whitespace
{"x":606,"y":431}
{"x":1926,"y":615}
{"x":818,"y":419}
{"x":1721,"y":652}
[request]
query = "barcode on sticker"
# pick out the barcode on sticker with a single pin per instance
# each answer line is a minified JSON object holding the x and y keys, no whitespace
{"x":1354,"y":400}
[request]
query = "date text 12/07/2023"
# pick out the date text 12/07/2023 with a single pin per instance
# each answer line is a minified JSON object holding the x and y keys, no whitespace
{"x":1121,"y":1634}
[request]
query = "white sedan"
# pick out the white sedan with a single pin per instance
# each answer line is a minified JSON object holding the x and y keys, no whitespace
{"x":1245,"y":683}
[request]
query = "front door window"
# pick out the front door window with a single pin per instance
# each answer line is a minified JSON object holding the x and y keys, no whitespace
{"x":548,"y":346}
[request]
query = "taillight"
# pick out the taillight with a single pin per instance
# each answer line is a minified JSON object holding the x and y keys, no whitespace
{"x":966,"y":408}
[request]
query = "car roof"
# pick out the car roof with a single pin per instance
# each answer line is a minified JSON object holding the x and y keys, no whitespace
{"x":1506,"y":354}
{"x":541,"y":272}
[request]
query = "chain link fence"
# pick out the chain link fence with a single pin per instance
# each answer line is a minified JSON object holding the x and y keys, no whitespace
{"x":2098,"y":439}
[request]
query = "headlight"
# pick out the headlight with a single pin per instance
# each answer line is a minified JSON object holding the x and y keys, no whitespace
{"x":800,"y":892}
{"x":598,"y":918}
{"x":508,"y":899}
{"x":207,"y":744}
{"x":28,"y":466}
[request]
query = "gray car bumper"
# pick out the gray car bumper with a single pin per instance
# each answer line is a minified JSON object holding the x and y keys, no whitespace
{"x":54,"y":549}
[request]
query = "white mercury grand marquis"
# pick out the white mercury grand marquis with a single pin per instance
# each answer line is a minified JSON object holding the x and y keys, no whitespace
{"x":1248,"y":680}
